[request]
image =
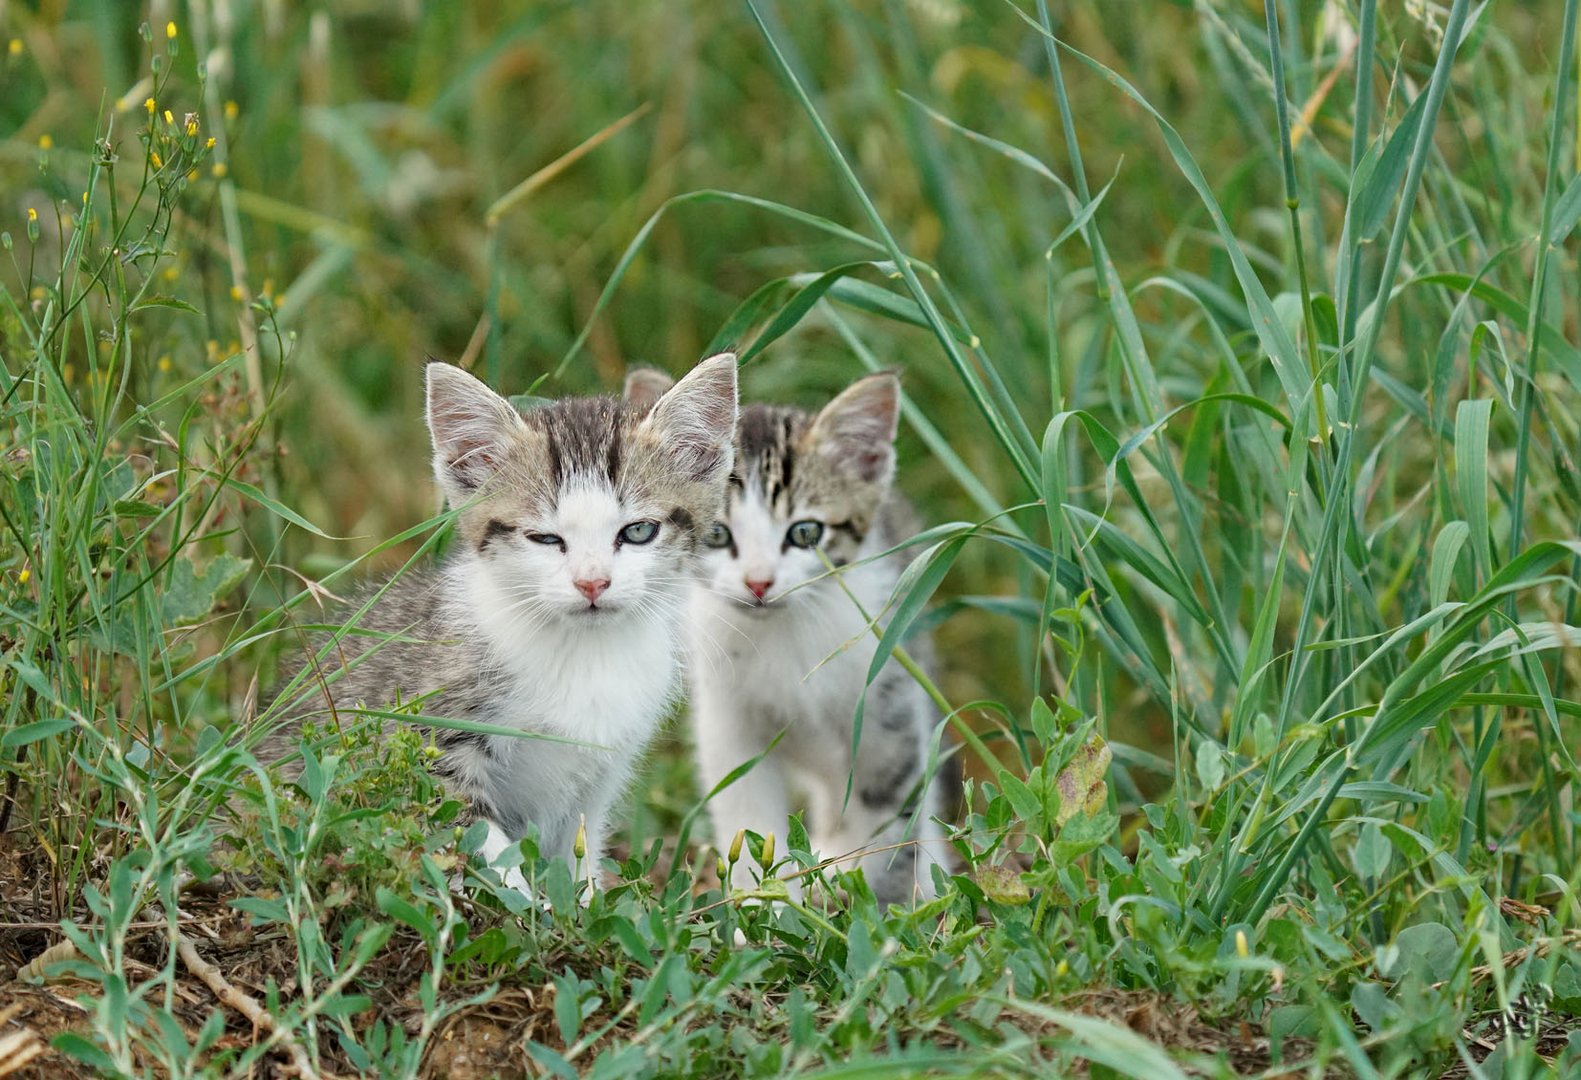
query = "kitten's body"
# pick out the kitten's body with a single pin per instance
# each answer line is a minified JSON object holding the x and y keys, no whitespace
{"x":553,"y":616}
{"x":794,"y":658}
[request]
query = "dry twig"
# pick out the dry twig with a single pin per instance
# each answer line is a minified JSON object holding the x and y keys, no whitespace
{"x":245,"y":1004}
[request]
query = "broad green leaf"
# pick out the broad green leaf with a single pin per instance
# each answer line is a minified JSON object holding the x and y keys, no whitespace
{"x":191,"y":593}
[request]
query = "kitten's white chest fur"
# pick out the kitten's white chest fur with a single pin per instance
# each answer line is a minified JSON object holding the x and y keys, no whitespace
{"x":605,"y":684}
{"x":806,"y":665}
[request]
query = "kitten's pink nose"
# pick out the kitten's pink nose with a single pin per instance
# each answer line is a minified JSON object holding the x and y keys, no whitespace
{"x":592,"y":588}
{"x":758,"y":588}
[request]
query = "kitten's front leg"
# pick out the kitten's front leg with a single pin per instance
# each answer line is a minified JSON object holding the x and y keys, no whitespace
{"x":756,"y":801}
{"x":494,"y":845}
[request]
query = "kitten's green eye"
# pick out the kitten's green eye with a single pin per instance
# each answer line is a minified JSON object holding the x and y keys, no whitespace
{"x":718,"y":535}
{"x":639,"y":532}
{"x":546,"y":539}
{"x":804,"y":534}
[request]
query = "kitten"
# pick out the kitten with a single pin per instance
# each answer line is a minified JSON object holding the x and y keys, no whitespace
{"x":559,"y":610}
{"x":767,"y":656}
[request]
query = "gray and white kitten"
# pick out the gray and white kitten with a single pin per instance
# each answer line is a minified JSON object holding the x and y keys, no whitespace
{"x":579,"y":532}
{"x":767,"y":656}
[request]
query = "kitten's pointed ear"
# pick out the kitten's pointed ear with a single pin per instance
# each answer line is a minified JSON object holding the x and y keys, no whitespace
{"x":645,"y":386}
{"x":855,"y":432}
{"x":472,"y":428}
{"x":695,"y":421}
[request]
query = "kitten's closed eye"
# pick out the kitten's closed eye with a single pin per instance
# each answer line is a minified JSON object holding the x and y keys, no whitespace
{"x":547,"y":539}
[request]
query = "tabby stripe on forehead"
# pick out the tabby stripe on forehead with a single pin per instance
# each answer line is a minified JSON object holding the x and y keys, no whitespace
{"x":787,"y":439}
{"x":612,"y":458}
{"x":682,"y":519}
{"x":552,"y":444}
{"x":849,"y":529}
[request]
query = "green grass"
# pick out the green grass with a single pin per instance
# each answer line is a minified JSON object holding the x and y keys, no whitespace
{"x":1242,"y":386}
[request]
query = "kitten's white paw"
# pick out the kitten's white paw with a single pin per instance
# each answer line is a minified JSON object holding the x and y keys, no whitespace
{"x":500,"y":854}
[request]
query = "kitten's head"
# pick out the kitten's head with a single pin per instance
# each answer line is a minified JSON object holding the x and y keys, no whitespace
{"x":587,"y":507}
{"x":802,"y":484}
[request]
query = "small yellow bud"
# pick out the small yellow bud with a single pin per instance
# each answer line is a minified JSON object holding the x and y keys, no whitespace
{"x":579,"y":845}
{"x":192,"y":127}
{"x":735,"y":846}
{"x":722,"y":870}
{"x":15,"y":47}
{"x":149,"y":105}
{"x":231,"y":110}
{"x":164,"y":363}
{"x":767,"y":858}
{"x":153,"y":155}
{"x":170,"y":118}
{"x":279,"y":300}
{"x":1062,"y":969}
{"x":170,"y":273}
{"x":210,"y":144}
{"x":24,"y":575}
{"x":1241,"y":948}
{"x":192,"y":174}
{"x":45,"y":142}
{"x":170,"y":30}
{"x":85,"y":198}
{"x":32,"y":214}
{"x":236,"y":292}
{"x":218,"y":170}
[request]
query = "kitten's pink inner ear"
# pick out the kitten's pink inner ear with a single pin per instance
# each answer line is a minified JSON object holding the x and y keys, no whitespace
{"x":856,"y":430}
{"x":470,"y":424}
{"x":695,"y":422}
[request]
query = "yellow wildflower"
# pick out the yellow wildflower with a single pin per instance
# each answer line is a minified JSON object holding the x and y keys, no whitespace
{"x":170,"y":30}
{"x":218,"y":170}
{"x":210,"y":144}
{"x":192,"y":127}
{"x":45,"y":142}
{"x":24,"y":575}
{"x":164,"y":363}
{"x":170,"y":118}
{"x":149,"y":105}
{"x":1241,"y":948}
{"x":32,"y":214}
{"x":153,"y":155}
{"x":15,"y":48}
{"x":236,"y":292}
{"x":231,"y":110}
